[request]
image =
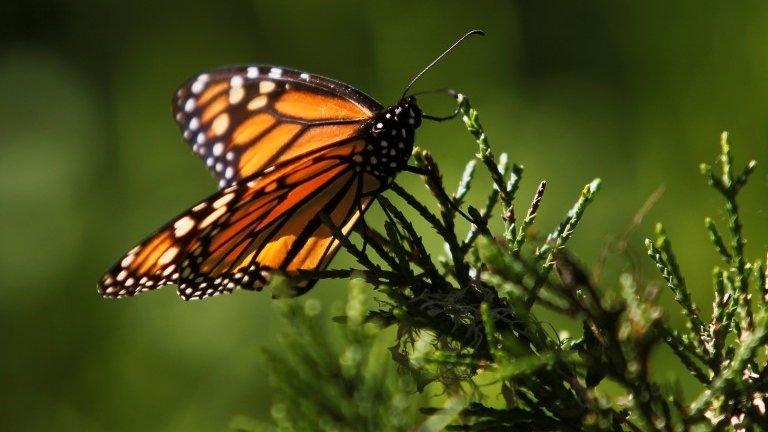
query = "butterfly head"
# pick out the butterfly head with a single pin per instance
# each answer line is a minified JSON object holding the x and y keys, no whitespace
{"x":407,"y":112}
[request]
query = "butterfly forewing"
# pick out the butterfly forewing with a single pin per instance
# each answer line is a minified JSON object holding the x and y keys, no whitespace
{"x":242,"y":120}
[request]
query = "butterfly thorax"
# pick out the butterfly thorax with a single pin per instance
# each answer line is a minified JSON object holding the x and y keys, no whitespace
{"x":390,"y":140}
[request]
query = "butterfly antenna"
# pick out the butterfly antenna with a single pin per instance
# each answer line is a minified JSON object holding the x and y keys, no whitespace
{"x":440,"y":57}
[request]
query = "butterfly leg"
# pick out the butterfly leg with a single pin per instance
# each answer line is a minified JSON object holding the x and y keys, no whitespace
{"x":452,"y":93}
{"x":375,"y":192}
{"x":416,"y":170}
{"x":364,"y":226}
{"x":442,"y":118}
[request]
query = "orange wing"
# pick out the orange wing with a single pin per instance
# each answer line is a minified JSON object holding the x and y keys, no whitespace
{"x":242,"y":120}
{"x":240,"y":235}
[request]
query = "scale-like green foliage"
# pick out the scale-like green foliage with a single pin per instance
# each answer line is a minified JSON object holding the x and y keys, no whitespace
{"x":469,"y":316}
{"x":335,"y":377}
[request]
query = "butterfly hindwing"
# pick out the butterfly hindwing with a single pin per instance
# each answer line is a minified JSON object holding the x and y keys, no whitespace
{"x":242,"y":120}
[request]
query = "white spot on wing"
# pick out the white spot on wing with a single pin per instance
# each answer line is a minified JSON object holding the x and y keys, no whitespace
{"x":257,"y":102}
{"x":266,"y":86}
{"x":127,"y":260}
{"x":220,"y":124}
{"x":189,"y":106}
{"x":183,"y":225}
{"x":223,"y":200}
{"x":236,"y":94}
{"x":197,"y":86}
{"x":168,"y":255}
{"x":213,"y":217}
{"x":236,"y":81}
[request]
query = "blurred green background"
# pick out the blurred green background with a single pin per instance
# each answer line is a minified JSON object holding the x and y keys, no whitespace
{"x":91,"y":161}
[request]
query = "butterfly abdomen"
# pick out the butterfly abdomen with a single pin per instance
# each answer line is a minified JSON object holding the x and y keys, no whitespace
{"x":389,"y":142}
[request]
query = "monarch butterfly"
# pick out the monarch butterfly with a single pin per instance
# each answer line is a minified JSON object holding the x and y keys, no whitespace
{"x":286,"y":146}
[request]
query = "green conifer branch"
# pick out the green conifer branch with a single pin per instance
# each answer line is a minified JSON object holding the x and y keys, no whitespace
{"x":468,"y":315}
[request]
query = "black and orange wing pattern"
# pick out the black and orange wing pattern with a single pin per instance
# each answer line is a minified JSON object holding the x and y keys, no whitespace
{"x":286,"y":147}
{"x":242,"y":120}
